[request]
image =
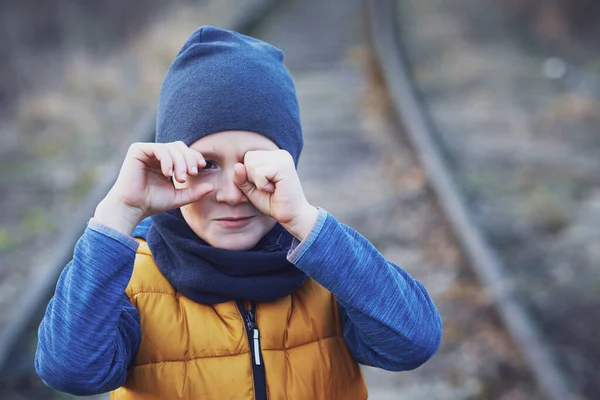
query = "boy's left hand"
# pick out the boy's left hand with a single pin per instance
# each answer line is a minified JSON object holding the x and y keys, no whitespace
{"x":270,"y":181}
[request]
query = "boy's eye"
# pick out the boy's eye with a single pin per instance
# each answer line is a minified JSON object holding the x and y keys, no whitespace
{"x":209,"y":165}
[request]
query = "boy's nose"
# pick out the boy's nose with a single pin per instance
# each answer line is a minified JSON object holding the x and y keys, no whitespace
{"x":228,"y":192}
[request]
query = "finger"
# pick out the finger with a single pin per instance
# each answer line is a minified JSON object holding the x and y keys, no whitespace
{"x":160,"y":153}
{"x":261,"y":176}
{"x":200,"y":161}
{"x":240,"y":178}
{"x":190,"y":158}
{"x":250,"y":164}
{"x":259,"y":172}
{"x":179,"y":164}
{"x":191,"y":194}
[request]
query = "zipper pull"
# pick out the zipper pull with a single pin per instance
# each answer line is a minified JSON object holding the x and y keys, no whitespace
{"x":253,"y":328}
{"x":256,"y":338}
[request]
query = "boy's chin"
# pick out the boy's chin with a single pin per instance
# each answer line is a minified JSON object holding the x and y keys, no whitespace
{"x":236,"y":241}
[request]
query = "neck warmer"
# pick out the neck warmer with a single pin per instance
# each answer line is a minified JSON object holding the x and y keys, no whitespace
{"x":210,"y":275}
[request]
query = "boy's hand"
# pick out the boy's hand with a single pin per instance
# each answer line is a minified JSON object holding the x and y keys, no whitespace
{"x":143,"y":187}
{"x":269,"y":180}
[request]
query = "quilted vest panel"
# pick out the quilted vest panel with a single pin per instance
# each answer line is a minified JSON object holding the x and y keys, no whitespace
{"x":195,"y":351}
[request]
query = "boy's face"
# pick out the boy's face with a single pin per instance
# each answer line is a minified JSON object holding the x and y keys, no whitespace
{"x":225,"y":218}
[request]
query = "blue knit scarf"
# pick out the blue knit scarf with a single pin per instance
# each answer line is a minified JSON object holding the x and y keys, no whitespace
{"x":210,"y":275}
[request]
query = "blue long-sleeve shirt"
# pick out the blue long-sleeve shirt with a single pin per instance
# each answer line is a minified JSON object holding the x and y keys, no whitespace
{"x":90,"y":333}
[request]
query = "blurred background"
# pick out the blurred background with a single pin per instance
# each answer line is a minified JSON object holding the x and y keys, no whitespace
{"x":511,"y":86}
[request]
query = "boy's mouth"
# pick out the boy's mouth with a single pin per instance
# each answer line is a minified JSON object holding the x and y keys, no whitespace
{"x":234,"y":222}
{"x":234,"y":218}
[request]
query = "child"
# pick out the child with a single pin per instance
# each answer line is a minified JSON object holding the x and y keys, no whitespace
{"x":237,"y":287}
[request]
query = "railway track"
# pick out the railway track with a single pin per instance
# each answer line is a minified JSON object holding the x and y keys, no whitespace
{"x":486,"y":263}
{"x":16,"y":340}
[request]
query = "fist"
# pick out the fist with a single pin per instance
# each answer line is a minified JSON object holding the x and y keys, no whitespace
{"x":270,"y":181}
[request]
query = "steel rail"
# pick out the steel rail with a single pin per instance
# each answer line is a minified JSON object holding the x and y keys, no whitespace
{"x":386,"y":40}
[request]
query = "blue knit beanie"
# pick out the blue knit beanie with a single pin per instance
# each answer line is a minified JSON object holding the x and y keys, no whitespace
{"x":222,"y":80}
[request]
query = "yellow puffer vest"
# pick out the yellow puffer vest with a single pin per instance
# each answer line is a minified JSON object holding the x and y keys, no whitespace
{"x":195,"y":351}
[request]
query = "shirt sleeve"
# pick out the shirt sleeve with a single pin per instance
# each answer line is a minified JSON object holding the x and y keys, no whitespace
{"x":389,"y":320}
{"x":90,"y":332}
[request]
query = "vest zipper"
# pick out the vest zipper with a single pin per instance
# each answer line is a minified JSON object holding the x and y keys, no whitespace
{"x":253,"y":334}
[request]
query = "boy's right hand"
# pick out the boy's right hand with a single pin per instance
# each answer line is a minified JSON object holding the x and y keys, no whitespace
{"x":143,"y":187}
